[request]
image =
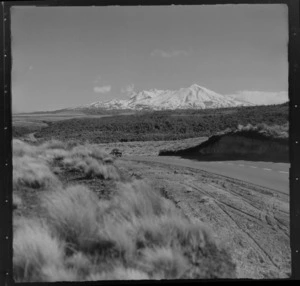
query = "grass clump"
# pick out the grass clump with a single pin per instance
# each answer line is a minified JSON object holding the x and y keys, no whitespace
{"x":35,"y":250}
{"x":20,"y":148}
{"x":270,"y":131}
{"x":16,"y":200}
{"x":33,"y":173}
{"x":73,"y":214}
{"x":53,"y":144}
{"x":91,"y":161}
{"x":139,"y":198}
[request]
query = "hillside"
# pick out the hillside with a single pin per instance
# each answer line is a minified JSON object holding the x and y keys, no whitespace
{"x":261,"y":142}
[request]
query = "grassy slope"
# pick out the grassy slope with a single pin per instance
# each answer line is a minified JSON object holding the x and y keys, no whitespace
{"x":274,"y":136}
{"x":66,"y":230}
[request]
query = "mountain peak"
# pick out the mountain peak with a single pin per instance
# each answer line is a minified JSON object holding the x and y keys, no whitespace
{"x":195,"y":96}
{"x":197,"y":86}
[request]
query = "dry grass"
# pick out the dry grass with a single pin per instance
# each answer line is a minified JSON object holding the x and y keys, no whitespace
{"x":20,"y":148}
{"x":33,"y":173}
{"x":35,"y":250}
{"x":90,"y":167}
{"x":119,"y":273}
{"x":53,"y":144}
{"x":136,"y":230}
{"x":73,"y":214}
{"x":165,"y":262}
{"x":137,"y":234}
{"x":17,"y":201}
{"x":88,"y":159}
{"x":271,"y":131}
{"x":140,"y":198}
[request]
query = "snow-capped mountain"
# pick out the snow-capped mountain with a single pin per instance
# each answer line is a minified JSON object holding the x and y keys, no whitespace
{"x":193,"y":97}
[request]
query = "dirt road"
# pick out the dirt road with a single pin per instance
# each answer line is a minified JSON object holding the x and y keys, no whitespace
{"x":252,"y":220}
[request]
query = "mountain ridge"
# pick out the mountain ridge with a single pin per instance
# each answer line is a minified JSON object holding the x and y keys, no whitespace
{"x":193,"y":97}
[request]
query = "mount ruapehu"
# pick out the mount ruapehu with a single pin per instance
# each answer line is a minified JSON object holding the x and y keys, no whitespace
{"x":193,"y":97}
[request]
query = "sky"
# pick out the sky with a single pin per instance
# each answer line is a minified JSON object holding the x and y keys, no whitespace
{"x":71,"y":56}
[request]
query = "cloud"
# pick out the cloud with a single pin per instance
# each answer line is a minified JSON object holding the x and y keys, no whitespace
{"x":169,"y":54}
{"x":262,"y":97}
{"x":128,"y":89}
{"x":102,"y":89}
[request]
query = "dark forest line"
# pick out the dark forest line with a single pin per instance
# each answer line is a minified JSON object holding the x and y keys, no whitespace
{"x":162,"y":125}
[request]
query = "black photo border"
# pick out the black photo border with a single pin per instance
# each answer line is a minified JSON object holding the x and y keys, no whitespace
{"x":6,"y":250}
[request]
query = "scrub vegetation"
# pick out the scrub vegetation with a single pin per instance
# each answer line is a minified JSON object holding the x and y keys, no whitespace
{"x":64,"y":230}
{"x":162,"y":125}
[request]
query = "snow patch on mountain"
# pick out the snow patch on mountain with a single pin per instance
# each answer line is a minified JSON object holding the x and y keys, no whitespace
{"x":193,"y":97}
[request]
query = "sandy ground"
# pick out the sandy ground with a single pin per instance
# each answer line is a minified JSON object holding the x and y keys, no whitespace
{"x":252,"y":221}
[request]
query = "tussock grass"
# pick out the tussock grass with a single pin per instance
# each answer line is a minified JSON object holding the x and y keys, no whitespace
{"x":135,"y":230}
{"x":271,"y":131}
{"x":119,"y":273}
{"x":137,"y":234}
{"x":91,"y":167}
{"x":33,"y":173}
{"x":20,"y":148}
{"x":53,"y":144}
{"x":139,"y":198}
{"x":164,"y":262}
{"x":73,"y":214}
{"x":35,"y":250}
{"x":17,"y":201}
{"x":88,"y":159}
